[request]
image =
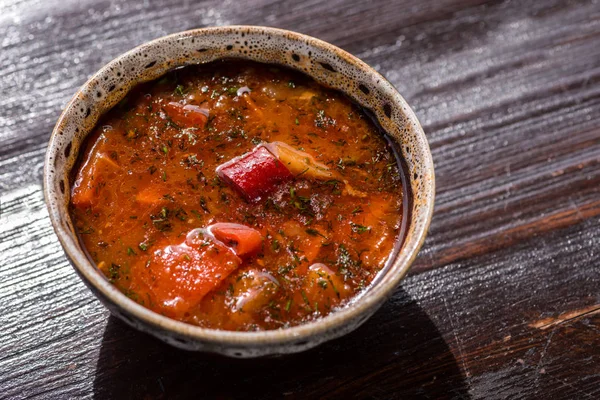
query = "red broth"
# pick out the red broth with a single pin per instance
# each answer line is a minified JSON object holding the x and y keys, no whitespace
{"x":238,"y":196}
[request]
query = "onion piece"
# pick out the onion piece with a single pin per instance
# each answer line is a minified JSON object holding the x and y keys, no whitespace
{"x":298,"y":162}
{"x":242,"y":90}
{"x":201,"y":110}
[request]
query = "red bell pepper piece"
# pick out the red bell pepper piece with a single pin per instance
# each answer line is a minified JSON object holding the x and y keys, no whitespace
{"x":244,"y":240}
{"x":254,"y":174}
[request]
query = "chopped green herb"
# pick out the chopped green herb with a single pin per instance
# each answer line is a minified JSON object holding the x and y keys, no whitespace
{"x":314,"y":232}
{"x":303,"y":172}
{"x":130,"y":252}
{"x":224,"y":198}
{"x":357,"y":210}
{"x":344,"y":257}
{"x":169,"y":122}
{"x":196,"y":214}
{"x":162,"y":225}
{"x":192,"y":160}
{"x":143,"y":246}
{"x":114,"y":272}
{"x":360,"y":228}
{"x":275,"y":245}
{"x":293,"y":251}
{"x":203,"y":204}
{"x":133,"y":296}
{"x":282,"y":270}
{"x":288,"y":304}
{"x":322,"y":120}
{"x":180,"y":90}
{"x":161,"y":221}
{"x":305,"y":298}
{"x":334,"y":288}
{"x":181,"y":214}
{"x":300,"y":202}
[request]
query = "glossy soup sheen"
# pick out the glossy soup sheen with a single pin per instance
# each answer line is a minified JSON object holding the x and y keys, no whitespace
{"x":146,"y":189}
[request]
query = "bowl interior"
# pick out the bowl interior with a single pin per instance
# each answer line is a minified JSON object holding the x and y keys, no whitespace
{"x":326,"y":64}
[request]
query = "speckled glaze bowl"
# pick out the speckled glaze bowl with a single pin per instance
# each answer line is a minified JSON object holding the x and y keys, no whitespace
{"x":325,"y":63}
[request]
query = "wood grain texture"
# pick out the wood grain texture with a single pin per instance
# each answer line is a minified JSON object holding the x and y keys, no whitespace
{"x":503,"y":301}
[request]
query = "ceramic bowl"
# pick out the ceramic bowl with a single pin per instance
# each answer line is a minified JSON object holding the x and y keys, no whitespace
{"x":325,"y":63}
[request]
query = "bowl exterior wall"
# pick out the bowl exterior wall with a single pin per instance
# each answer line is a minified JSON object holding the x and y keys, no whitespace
{"x":326,"y":64}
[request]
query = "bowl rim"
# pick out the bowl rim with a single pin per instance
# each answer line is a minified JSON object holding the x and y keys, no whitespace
{"x":374,"y":296}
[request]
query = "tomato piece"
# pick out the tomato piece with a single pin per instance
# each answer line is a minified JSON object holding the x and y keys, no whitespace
{"x":151,"y":195}
{"x":188,"y":114}
{"x":308,"y":244}
{"x":179,"y":276}
{"x":254,"y":174}
{"x":84,"y":193}
{"x":242,"y":239}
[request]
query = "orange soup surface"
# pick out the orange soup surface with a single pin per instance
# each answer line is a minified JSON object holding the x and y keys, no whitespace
{"x":238,"y":196}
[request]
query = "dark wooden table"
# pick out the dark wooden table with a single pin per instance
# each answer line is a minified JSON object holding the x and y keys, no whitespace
{"x":503,"y":301}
